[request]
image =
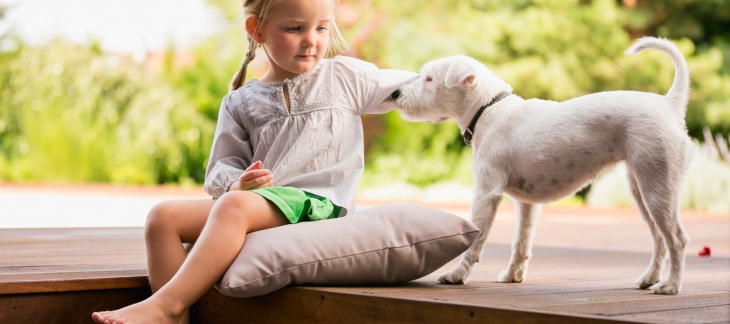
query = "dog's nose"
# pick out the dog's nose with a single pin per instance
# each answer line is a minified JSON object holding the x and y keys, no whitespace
{"x":395,"y":94}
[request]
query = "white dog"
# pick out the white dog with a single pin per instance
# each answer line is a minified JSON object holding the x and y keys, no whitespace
{"x":538,"y":151}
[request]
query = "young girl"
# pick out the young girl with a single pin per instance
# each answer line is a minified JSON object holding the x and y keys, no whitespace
{"x":302,"y":119}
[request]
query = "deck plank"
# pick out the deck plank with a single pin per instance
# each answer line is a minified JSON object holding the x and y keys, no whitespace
{"x":712,"y":314}
{"x":313,"y":305}
{"x":56,"y":260}
{"x":67,"y":273}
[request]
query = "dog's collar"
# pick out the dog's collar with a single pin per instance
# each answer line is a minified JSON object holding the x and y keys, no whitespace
{"x":470,"y":130}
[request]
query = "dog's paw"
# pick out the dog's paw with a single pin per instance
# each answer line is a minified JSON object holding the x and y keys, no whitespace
{"x":507,"y":276}
{"x":666,"y":287}
{"x":452,"y":278}
{"x":648,"y":279}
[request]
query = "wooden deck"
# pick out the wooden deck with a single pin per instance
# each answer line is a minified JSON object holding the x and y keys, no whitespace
{"x":583,"y":271}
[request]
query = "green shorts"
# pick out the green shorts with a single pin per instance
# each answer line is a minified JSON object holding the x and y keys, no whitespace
{"x":298,"y":205}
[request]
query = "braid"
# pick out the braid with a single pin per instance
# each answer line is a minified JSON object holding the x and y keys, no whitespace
{"x":240,"y":77}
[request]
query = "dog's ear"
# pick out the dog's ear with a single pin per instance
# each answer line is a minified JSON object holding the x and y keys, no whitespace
{"x":459,"y":73}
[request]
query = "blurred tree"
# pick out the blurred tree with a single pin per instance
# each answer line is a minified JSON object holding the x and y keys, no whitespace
{"x":217,"y":58}
{"x":706,"y":23}
{"x":69,"y":113}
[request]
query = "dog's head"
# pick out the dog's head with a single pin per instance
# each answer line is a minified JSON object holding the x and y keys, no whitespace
{"x":445,"y":88}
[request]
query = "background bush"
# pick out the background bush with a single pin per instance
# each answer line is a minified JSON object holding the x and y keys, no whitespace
{"x":70,"y":113}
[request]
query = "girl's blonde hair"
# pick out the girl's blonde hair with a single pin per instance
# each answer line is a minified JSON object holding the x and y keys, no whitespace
{"x":260,"y":9}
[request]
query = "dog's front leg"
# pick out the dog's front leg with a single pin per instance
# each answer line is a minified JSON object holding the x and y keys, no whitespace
{"x":483,"y":212}
{"x":527,"y":215}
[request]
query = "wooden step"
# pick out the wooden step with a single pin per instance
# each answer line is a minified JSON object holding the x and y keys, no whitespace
{"x":63,"y":275}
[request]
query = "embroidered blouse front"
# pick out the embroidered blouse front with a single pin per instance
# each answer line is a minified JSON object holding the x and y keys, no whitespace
{"x":316,"y":145}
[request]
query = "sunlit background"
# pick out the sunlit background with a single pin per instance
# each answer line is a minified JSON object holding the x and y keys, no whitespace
{"x":132,"y":26}
{"x":98,"y":95}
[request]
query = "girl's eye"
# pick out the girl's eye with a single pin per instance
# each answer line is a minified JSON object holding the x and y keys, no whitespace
{"x":293,"y":29}
{"x":429,"y":79}
{"x":321,"y":29}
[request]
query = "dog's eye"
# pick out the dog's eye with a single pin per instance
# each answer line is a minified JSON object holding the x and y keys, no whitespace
{"x":429,"y":79}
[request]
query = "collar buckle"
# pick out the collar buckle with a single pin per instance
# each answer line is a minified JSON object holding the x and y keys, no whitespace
{"x":469,"y":132}
{"x":468,"y":136}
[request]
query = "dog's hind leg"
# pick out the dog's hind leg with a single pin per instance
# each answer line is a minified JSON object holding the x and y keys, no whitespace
{"x":676,"y":239}
{"x":659,"y":184}
{"x":652,"y":274}
{"x":527,"y":215}
{"x":483,"y":212}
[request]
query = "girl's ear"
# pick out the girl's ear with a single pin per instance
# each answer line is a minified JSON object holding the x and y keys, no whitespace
{"x":459,"y":73}
{"x":252,"y":28}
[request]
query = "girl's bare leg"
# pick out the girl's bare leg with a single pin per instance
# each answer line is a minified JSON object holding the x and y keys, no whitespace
{"x":169,"y":225}
{"x":232,"y":216}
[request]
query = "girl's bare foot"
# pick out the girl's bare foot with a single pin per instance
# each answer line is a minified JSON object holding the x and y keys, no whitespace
{"x":150,"y":310}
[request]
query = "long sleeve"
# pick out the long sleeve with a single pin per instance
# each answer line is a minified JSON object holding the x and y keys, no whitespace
{"x":368,"y":87}
{"x":382,"y":84}
{"x":231,"y":152}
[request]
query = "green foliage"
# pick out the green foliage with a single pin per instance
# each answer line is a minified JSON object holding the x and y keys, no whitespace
{"x":71,"y":114}
{"x":705,"y":24}
{"x":427,"y":154}
{"x":205,"y":82}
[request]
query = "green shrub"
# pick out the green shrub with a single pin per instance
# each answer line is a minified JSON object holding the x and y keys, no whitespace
{"x":70,"y":114}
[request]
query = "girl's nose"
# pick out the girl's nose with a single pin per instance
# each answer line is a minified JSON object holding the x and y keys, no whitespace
{"x":310,"y":39}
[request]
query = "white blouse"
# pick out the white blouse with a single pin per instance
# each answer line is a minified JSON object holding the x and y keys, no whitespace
{"x":318,"y":145}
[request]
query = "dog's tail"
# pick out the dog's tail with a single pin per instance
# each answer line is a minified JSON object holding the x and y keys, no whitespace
{"x":679,"y":92}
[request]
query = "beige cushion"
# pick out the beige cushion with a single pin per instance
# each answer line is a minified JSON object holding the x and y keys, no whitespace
{"x":381,"y":245}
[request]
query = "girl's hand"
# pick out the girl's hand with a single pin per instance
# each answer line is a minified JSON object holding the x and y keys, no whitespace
{"x":253,"y":178}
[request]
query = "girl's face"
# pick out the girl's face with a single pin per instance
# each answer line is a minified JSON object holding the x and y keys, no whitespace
{"x":295,"y":37}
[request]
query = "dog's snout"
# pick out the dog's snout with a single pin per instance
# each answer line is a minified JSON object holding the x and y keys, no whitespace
{"x":395,"y":94}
